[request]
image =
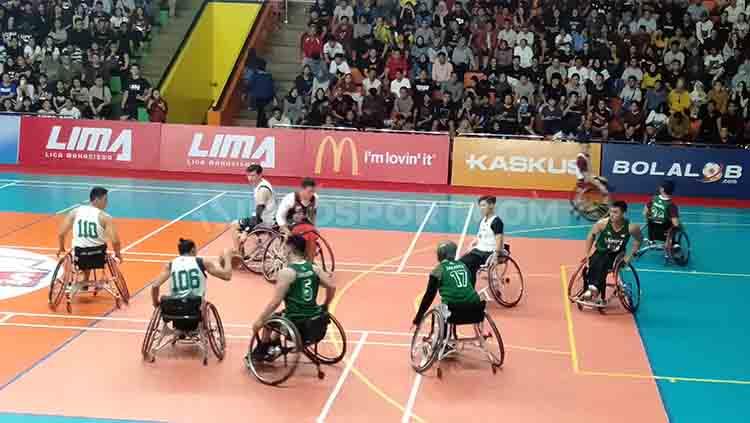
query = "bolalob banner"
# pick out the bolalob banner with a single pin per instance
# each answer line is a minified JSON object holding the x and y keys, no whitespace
{"x":518,"y":164}
{"x":10,"y":133}
{"x":219,"y":149}
{"x":369,"y":156}
{"x":85,"y":144}
{"x":697,"y":172}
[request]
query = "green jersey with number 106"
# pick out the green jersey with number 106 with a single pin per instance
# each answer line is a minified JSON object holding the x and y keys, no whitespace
{"x":456,"y":284}
{"x":301,"y":299}
{"x":186,"y":277}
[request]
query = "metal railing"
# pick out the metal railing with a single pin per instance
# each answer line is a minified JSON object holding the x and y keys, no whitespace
{"x":343,"y":128}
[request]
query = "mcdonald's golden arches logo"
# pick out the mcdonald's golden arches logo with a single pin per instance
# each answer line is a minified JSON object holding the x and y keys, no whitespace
{"x":337,"y":147}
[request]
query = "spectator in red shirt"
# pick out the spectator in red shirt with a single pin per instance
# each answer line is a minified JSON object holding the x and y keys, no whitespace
{"x":397,"y":62}
{"x":157,"y":108}
{"x":312,"y":48}
{"x":344,"y":33}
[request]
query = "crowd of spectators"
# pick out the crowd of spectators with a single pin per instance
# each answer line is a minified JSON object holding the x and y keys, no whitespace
{"x":638,"y":70}
{"x":75,"y":58}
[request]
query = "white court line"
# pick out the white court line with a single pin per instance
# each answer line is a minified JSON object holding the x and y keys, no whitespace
{"x":173,"y":221}
{"x":7,"y":317}
{"x":9,"y":184}
{"x":406,"y":418}
{"x":340,"y":383}
{"x":461,"y":240}
{"x":416,"y":237}
{"x":695,"y":273}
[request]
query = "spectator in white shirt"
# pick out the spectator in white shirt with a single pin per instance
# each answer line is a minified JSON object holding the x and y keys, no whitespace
{"x":509,"y":35}
{"x":563,"y":41}
{"x":524,"y":52}
{"x":371,"y":82}
{"x":398,"y":83}
{"x":633,"y":70}
{"x":339,"y":65}
{"x":579,"y":69}
{"x":69,"y":110}
{"x":525,"y":34}
{"x":733,"y":11}
{"x":278,"y":119}
{"x":673,"y":54}
{"x":343,"y":9}
{"x":331,"y":49}
{"x":648,"y":21}
{"x":703,"y":29}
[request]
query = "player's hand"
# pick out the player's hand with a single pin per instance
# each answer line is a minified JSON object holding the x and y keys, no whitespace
{"x":60,"y":252}
{"x":118,"y":256}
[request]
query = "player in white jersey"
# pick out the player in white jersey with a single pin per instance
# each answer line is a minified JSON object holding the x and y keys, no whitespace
{"x":298,"y":207}
{"x":92,"y":228}
{"x":265,"y":207}
{"x":488,"y":244}
{"x":187,"y":274}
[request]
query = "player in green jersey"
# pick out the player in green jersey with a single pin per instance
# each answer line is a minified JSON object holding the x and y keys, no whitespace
{"x":609,"y":238}
{"x":661,"y":213}
{"x":297,"y":286}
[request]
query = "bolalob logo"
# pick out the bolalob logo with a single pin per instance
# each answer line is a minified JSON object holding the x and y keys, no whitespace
{"x":227,"y":149}
{"x":22,"y":272}
{"x":337,"y":148}
{"x":90,"y":144}
{"x":710,"y":173}
{"x":521,"y":164}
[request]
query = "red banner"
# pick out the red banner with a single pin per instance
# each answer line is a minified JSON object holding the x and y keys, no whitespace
{"x":219,"y":149}
{"x":83,"y":144}
{"x":369,"y":156}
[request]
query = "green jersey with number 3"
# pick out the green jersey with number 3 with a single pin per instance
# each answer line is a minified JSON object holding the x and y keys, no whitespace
{"x":301,"y":299}
{"x":456,"y":284}
{"x":188,"y":277}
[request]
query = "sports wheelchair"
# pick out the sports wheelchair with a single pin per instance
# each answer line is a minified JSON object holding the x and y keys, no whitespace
{"x":504,"y":280}
{"x":68,"y":279}
{"x":622,"y":282}
{"x":674,"y":242}
{"x":184,"y":320}
{"x":588,"y":201}
{"x":321,"y":339}
{"x":274,"y":254}
{"x":437,"y":337}
{"x":253,"y":248}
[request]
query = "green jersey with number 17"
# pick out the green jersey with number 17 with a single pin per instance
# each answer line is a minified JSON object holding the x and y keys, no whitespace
{"x":301,"y":299}
{"x":187,"y":277}
{"x":456,"y":284}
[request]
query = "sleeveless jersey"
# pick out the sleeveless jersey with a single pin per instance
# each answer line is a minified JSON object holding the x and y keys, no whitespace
{"x":660,"y":209}
{"x":308,"y":211}
{"x":87,"y":229}
{"x":456,"y":284}
{"x":486,"y":235}
{"x":188,"y":277}
{"x":613,"y":241}
{"x":268,"y":216}
{"x":301,"y":298}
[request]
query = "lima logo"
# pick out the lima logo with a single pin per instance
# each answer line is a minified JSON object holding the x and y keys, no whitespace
{"x":712,"y":172}
{"x":22,"y":272}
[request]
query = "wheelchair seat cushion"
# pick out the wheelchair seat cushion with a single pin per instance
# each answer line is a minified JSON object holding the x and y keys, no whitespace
{"x":88,"y":258}
{"x":466,"y":313}
{"x":183,"y":312}
{"x":313,"y":330}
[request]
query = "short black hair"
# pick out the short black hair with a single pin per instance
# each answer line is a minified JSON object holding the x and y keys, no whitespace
{"x":621,"y":205}
{"x":668,"y":187}
{"x":255,"y":168}
{"x":490,"y":199}
{"x":308,"y":183}
{"x":97,"y":193}
{"x":185,"y":246}
{"x":297,"y":243}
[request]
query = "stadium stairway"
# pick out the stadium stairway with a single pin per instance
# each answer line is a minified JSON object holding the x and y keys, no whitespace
{"x":282,"y":55}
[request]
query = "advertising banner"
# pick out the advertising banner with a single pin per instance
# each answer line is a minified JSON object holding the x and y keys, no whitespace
{"x":518,"y":164}
{"x":697,"y":172}
{"x":221,"y":149}
{"x":368,"y":156}
{"x":10,"y":128}
{"x":85,"y":144}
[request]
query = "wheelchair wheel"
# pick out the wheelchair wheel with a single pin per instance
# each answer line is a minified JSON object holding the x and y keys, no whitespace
{"x":425,"y":343}
{"x":151,"y":332}
{"x":61,"y":279}
{"x":628,"y":286}
{"x":576,"y":283}
{"x":324,"y":255}
{"x":215,"y":332}
{"x":281,"y":360}
{"x":590,"y":204}
{"x":118,"y":279}
{"x":493,"y":343}
{"x":679,"y":247}
{"x":332,"y":348}
{"x":274,"y":257}
{"x":253,"y":248}
{"x":506,"y":282}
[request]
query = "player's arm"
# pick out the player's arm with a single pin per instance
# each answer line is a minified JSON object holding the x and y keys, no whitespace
{"x":674,"y":216}
{"x":635,"y":232}
{"x":497,"y":228}
{"x":326,"y":279}
{"x":595,"y":230}
{"x":66,"y":226}
{"x":158,"y":282}
{"x":429,"y":296}
{"x":647,"y":210}
{"x":263,"y":197}
{"x":222,"y":269}
{"x":112,"y":235}
{"x":281,"y":213}
{"x":284,"y":280}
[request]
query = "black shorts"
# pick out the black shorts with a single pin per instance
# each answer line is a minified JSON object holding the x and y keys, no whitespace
{"x":90,"y":257}
{"x":658,"y":231}
{"x":473,"y":260}
{"x":247,"y":224}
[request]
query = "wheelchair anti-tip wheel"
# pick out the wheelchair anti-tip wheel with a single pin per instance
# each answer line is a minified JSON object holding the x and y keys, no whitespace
{"x":332,"y":348}
{"x":628,"y":286}
{"x":280,"y":361}
{"x":426,"y":341}
{"x":214,"y":330}
{"x":505,"y":282}
{"x":678,"y":249}
{"x":62,"y":277}
{"x":252,"y":249}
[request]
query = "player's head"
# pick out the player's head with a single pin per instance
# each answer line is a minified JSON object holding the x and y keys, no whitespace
{"x":617,"y":210}
{"x":186,"y":247}
{"x":98,"y":197}
{"x":308,"y":188}
{"x":446,"y":250}
{"x":666,"y":188}
{"x":487,"y":205}
{"x":254,"y":172}
{"x":296,"y":246}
